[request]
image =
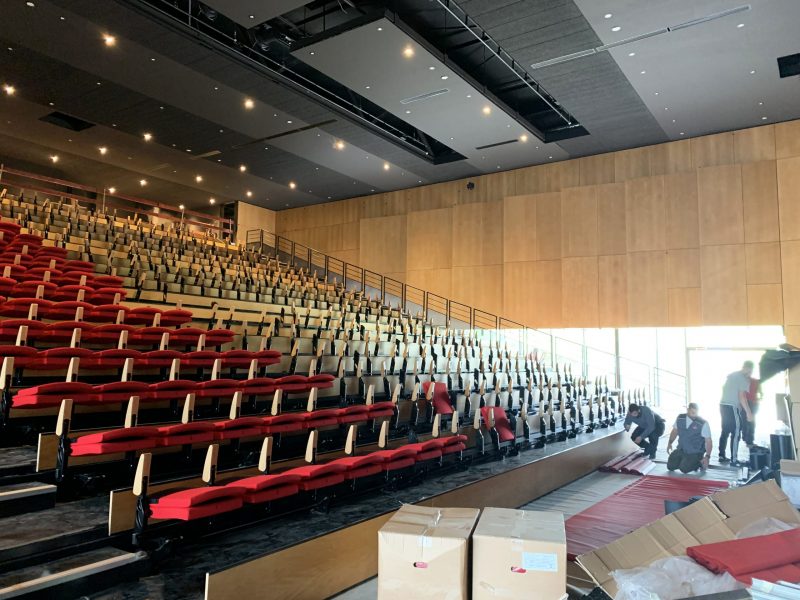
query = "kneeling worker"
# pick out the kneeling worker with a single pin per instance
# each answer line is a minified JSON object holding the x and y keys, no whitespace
{"x":694,"y":442}
{"x":649,"y":427}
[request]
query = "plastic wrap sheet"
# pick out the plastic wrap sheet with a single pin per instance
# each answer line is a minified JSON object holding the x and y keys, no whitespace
{"x":636,"y":505}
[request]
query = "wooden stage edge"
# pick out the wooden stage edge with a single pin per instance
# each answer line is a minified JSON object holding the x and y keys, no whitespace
{"x":332,"y":563}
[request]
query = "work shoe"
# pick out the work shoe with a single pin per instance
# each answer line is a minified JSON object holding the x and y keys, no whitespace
{"x":723,"y":459}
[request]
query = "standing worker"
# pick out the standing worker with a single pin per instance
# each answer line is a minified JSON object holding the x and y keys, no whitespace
{"x":753,"y":399}
{"x":649,"y":427}
{"x":732,"y":405}
{"x":694,"y":442}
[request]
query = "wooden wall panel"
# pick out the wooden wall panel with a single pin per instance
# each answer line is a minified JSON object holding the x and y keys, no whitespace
{"x":579,"y":291}
{"x":763,"y":262}
{"x":645,"y":214}
{"x":712,"y":150}
{"x":685,"y":307}
{"x":683,"y":268}
{"x":519,"y":228}
{"x":520,"y":296}
{"x":790,"y":264}
{"x":429,"y":239}
{"x":647,"y":289}
{"x":596,"y":169}
{"x":787,"y":139}
{"x":382,"y":246}
{"x":760,"y":201}
{"x":682,"y":212}
{"x":789,"y":198}
{"x":437,"y":281}
{"x":719,"y":197}
{"x":631,"y":164}
{"x":672,"y":157}
{"x":754,"y":144}
{"x":547,"y":300}
{"x":479,"y":287}
{"x":484,"y":249}
{"x":613,"y":290}
{"x":548,"y":226}
{"x":723,"y":284}
{"x":764,"y":304}
{"x":611,"y":219}
{"x":579,"y":221}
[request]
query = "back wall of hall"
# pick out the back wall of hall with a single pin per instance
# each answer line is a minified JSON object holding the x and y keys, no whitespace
{"x":703,"y":231}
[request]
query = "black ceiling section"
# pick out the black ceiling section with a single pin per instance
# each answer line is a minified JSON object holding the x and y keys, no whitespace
{"x":266,"y":50}
{"x":594,"y":89}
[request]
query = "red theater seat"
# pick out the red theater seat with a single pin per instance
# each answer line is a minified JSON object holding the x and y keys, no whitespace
{"x":314,"y":477}
{"x":381,"y":410}
{"x":117,"y":440}
{"x":428,"y":450}
{"x":238,"y":428}
{"x":501,"y":422}
{"x":322,"y":381}
{"x":321,"y":418}
{"x":292,"y":383}
{"x":361,"y":466}
{"x":454,"y":444}
{"x":51,"y":394}
{"x":258,"y":386}
{"x":265,"y":488}
{"x":197,"y":503}
{"x":186,"y":433}
{"x":397,"y":458}
{"x":441,"y":399}
{"x":358,"y":413}
{"x":284,"y":423}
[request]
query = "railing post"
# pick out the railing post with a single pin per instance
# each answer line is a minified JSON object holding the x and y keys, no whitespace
{"x":363,"y":281}
{"x":327,"y":258}
{"x":292,"y":253}
{"x":309,"y":259}
{"x":383,"y":289}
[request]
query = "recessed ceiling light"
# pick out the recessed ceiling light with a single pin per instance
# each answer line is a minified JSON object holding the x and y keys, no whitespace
{"x":549,"y":157}
{"x":160,"y":108}
{"x":289,"y":122}
{"x":216,"y":87}
{"x":408,"y":51}
{"x":212,"y":201}
{"x":763,"y":118}
{"x":366,"y":87}
{"x":62,"y":19}
{"x":147,"y":136}
{"x":656,"y":93}
{"x":386,"y":166}
{"x":103,"y":149}
{"x":188,"y":149}
{"x":31,"y":4}
{"x":98,"y":83}
{"x":112,"y":190}
{"x":607,"y":16}
{"x":10,"y":90}
{"x":740,"y":25}
{"x":752,"y":71}
{"x":445,"y":77}
{"x":143,"y":182}
{"x":487,"y":110}
{"x":181,"y":206}
{"x":51,"y":103}
{"x":615,"y":29}
{"x":673,"y":120}
{"x":452,"y":138}
{"x":292,"y":185}
{"x":431,"y":68}
{"x":312,"y":53}
{"x":631,"y":53}
{"x":54,"y":158}
{"x":408,"y":112}
{"x":248,"y":103}
{"x":643,"y":72}
{"x":198,"y":178}
{"x":666,"y":108}
{"x":252,"y":16}
{"x":682,"y":133}
{"x":339,"y":145}
{"x":761,"y":104}
{"x":249,"y":194}
{"x":380,"y":28}
{"x":523,"y":138}
{"x":152,"y":60}
{"x":109,"y":40}
{"x":469,"y":95}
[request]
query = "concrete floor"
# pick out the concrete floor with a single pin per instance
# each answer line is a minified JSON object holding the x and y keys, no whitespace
{"x":574,"y":498}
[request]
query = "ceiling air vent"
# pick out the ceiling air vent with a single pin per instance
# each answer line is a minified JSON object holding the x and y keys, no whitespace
{"x":496,"y":144}
{"x":427,"y":96}
{"x":60,"y":119}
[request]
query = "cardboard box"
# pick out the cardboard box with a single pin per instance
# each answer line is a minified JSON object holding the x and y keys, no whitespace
{"x":518,"y":554}
{"x":424,"y":553}
{"x":790,"y":480}
{"x":715,"y":518}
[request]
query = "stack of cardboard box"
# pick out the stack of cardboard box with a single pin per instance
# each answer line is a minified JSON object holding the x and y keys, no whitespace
{"x":511,"y":554}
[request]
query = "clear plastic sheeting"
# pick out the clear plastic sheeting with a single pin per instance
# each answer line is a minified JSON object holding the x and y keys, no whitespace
{"x":765,"y":526}
{"x":670,"y":579}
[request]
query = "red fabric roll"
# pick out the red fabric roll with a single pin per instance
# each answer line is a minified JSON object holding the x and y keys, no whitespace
{"x":770,"y":557}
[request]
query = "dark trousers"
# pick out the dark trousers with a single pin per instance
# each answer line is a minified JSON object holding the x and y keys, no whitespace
{"x":650,"y":443}
{"x":731,"y":427}
{"x":748,"y":428}
{"x":684,"y":462}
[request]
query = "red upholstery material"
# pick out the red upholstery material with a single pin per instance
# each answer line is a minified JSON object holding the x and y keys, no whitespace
{"x":634,"y":506}
{"x":238,"y":428}
{"x":186,"y":433}
{"x":116,"y":440}
{"x":284,"y":423}
{"x":441,"y":399}
{"x":321,"y":418}
{"x":381,"y":410}
{"x":198,"y":503}
{"x":773,"y":557}
{"x":51,"y":394}
{"x":265,"y":488}
{"x":292,"y":383}
{"x":361,"y":466}
{"x":501,"y":423}
{"x":314,"y":477}
{"x":357,"y":413}
{"x":454,"y":448}
{"x":321,"y":381}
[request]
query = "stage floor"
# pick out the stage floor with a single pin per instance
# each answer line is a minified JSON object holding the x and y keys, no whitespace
{"x":183,"y":577}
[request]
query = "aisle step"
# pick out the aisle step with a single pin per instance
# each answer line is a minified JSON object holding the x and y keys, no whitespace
{"x":26,"y":497}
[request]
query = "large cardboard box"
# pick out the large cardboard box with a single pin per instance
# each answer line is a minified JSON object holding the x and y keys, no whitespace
{"x":715,"y":518}
{"x":519,"y":554}
{"x":424,"y":553}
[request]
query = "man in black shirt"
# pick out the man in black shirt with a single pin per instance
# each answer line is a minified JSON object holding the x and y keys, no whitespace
{"x":649,"y":427}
